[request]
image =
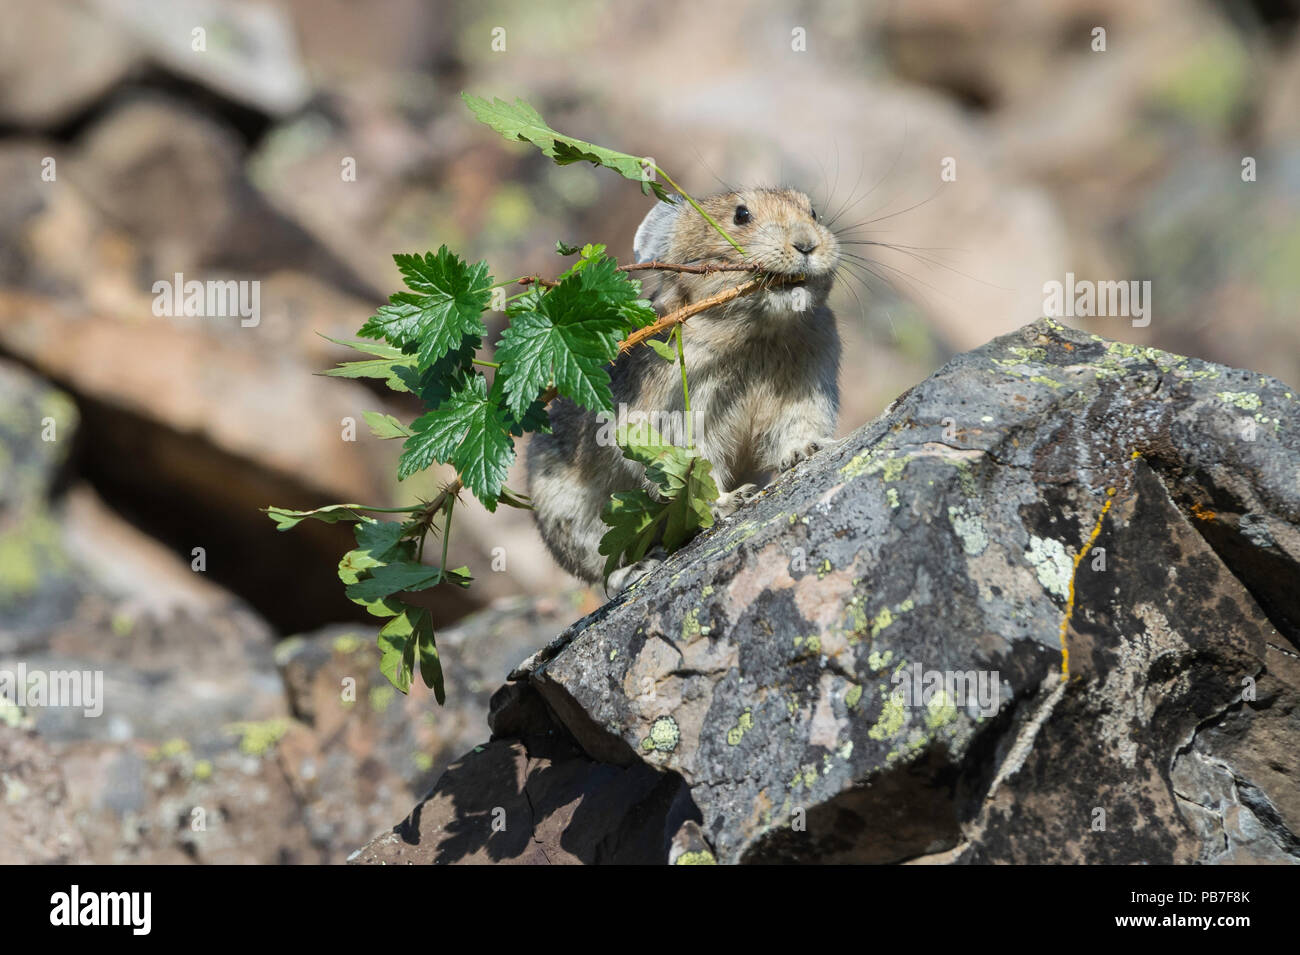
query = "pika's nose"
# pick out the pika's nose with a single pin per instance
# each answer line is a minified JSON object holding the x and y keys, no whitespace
{"x":805,"y":244}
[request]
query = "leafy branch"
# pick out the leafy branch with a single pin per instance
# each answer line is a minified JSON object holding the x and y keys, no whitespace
{"x":522,"y":122}
{"x":562,"y":334}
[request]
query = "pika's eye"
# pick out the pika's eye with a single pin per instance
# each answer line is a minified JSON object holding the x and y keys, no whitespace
{"x":742,"y":215}
{"x":814,"y":213}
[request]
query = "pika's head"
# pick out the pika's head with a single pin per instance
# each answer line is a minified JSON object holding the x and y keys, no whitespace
{"x":778,"y":229}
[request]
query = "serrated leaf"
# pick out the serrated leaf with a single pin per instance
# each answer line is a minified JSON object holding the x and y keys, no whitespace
{"x":469,"y":431}
{"x":565,"y":250}
{"x":567,"y":335}
{"x":684,"y":481}
{"x":589,"y":253}
{"x":522,"y":122}
{"x":667,"y":465}
{"x":633,"y":518}
{"x":434,"y":384}
{"x":535,"y":418}
{"x":639,"y":313}
{"x":385,"y":425}
{"x":444,"y":306}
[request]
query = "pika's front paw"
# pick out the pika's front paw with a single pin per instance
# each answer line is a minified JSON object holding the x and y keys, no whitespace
{"x":625,"y":577}
{"x":727,"y":504}
{"x":793,"y":457}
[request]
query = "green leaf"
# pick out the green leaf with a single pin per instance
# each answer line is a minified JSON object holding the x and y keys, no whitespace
{"x":367,"y":347}
{"x":535,"y":418}
{"x":562,"y":249}
{"x":330,"y":514}
{"x":460,"y":577}
{"x":443,"y":308}
{"x":663,"y":349}
{"x":469,"y":431}
{"x":433,"y":385}
{"x":567,"y":335}
{"x":398,"y":641}
{"x":521,"y":122}
{"x":398,"y":577}
{"x":378,"y":544}
{"x":406,"y":638}
{"x":430,"y":665}
{"x":385,"y":366}
{"x":385,"y":425}
{"x":684,"y":481}
{"x":514,"y":499}
{"x":591,"y":252}
{"x":689,"y":509}
{"x":665,"y":463}
{"x":633,"y":518}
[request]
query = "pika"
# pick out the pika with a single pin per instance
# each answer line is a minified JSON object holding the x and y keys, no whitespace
{"x":763,"y":370}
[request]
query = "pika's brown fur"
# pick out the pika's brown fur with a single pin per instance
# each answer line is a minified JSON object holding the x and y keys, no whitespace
{"x":763,"y":369}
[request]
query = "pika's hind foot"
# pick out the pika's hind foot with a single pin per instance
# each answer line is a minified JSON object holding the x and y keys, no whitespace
{"x":625,"y":577}
{"x":804,"y":453}
{"x":728,"y":503}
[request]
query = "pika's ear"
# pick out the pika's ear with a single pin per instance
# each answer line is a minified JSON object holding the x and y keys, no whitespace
{"x":655,"y":233}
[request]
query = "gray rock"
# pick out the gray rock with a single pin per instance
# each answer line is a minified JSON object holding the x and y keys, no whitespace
{"x":56,"y":58}
{"x":244,"y":51}
{"x":1011,"y":620}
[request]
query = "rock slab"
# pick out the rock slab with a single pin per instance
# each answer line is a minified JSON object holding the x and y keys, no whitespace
{"x":1044,"y":609}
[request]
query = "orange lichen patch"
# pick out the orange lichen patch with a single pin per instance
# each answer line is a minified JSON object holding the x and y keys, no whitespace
{"x":1202,"y":513}
{"x":1069,"y":604}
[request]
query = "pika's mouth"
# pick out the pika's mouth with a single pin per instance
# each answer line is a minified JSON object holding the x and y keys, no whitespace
{"x":787,"y":279}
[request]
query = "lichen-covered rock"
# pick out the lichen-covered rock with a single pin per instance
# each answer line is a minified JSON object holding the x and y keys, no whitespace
{"x":37,"y":582}
{"x":1044,"y":609}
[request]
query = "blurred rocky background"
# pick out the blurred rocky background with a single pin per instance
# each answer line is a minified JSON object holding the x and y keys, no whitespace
{"x":144,"y":138}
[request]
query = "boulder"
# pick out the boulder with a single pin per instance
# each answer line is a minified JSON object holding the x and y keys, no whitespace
{"x":57,"y":58}
{"x":1043,"y":610}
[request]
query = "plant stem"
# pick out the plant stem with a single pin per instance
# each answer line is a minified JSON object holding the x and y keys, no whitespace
{"x":686,"y":311}
{"x":485,"y":363}
{"x":694,"y":269}
{"x":708,"y":218}
{"x":446,"y":536}
{"x":686,"y":391}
